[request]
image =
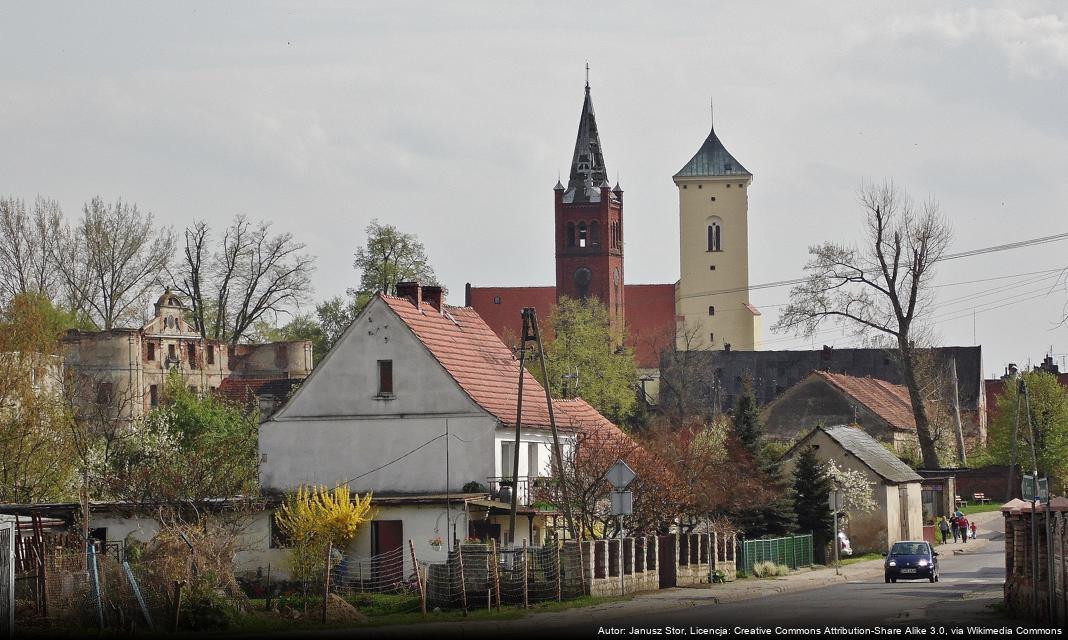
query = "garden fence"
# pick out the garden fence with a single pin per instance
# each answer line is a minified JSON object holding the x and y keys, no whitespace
{"x":793,"y":551}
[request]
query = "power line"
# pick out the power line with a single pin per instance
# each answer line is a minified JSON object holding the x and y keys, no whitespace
{"x":398,"y":459}
{"x":952,"y":256}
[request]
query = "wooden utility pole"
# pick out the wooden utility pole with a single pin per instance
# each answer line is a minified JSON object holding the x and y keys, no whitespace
{"x":558,"y":454}
{"x":962,"y":454}
{"x":518,"y":427}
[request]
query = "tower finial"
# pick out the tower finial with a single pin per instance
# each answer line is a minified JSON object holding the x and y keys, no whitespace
{"x":587,"y":74}
{"x":712,"y":110}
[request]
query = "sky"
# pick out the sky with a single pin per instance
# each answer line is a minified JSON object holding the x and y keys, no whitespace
{"x":453,"y":120}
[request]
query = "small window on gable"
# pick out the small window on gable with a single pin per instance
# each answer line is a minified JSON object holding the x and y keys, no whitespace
{"x":151,"y":351}
{"x":385,"y":377}
{"x":711,"y":310}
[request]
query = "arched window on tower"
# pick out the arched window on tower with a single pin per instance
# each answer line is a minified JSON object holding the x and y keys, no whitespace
{"x":595,"y":233}
{"x":583,"y":240}
{"x":715,"y":232}
{"x":570,"y":234}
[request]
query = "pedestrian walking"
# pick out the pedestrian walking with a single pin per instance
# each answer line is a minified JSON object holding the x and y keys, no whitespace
{"x":973,"y":530}
{"x":943,"y":527}
{"x":954,"y":524}
{"x":963,"y":524}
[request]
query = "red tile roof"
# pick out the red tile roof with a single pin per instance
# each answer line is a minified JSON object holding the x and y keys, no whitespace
{"x":485,"y":368}
{"x":888,"y":401}
{"x":649,"y":310}
{"x":241,"y":390}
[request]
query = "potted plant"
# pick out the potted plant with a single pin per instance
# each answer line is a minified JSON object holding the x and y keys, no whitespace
{"x":435,"y":542}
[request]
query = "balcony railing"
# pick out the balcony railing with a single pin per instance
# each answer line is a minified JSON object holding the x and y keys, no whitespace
{"x":528,"y":488}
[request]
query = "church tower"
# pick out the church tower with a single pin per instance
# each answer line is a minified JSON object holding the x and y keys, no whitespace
{"x":589,"y":225}
{"x":713,"y":295}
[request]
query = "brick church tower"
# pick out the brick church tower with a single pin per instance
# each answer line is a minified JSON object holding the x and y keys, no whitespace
{"x":589,"y":226}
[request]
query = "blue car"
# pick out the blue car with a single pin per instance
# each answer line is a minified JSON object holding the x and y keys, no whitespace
{"x":911,"y":560}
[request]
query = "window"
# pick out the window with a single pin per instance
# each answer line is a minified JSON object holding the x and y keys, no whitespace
{"x":153,"y":395}
{"x":683,"y":186}
{"x":728,"y":185}
{"x":104,"y":393}
{"x":496,"y":300}
{"x":712,"y":337}
{"x":171,"y":353}
{"x":582,"y":238}
{"x":151,"y":351}
{"x":570,"y":234}
{"x":193,"y":389}
{"x":714,"y":236}
{"x":713,"y":198}
{"x":711,"y":267}
{"x":595,"y":233}
{"x":211,"y":354}
{"x":700,"y":186}
{"x":385,"y":377}
{"x":192,"y":350}
{"x":533,"y":469}
{"x":711,"y":310}
{"x":507,"y":459}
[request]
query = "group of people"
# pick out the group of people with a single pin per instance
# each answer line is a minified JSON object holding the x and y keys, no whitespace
{"x":958,"y":525}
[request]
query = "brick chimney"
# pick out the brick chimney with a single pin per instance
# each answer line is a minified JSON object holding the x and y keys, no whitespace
{"x":410,"y":290}
{"x":432,"y":295}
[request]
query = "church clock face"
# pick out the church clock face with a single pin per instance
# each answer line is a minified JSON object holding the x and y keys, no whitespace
{"x":582,"y":277}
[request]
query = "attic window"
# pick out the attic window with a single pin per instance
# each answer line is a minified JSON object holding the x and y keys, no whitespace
{"x":711,"y":310}
{"x":385,"y":377}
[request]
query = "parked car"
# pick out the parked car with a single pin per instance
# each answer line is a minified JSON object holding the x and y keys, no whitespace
{"x":911,"y":560}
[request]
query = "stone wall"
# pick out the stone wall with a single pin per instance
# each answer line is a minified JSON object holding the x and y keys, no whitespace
{"x":1022,"y":555}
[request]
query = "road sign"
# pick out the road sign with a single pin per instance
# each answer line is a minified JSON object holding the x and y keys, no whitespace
{"x":622,"y":503}
{"x":1028,"y":488}
{"x":1043,"y":490}
{"x":620,"y":475}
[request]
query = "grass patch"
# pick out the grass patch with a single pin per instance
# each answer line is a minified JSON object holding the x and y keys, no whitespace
{"x":981,"y":508}
{"x":861,"y":558}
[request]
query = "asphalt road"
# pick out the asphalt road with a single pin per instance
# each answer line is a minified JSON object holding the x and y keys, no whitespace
{"x":968,"y":585}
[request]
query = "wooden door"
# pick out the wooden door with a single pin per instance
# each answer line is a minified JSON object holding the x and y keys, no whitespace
{"x":387,"y":547}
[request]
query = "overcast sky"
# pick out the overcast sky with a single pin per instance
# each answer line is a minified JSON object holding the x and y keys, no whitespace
{"x":452,"y":120}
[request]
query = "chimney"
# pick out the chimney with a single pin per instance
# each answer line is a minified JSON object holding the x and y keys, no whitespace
{"x":432,"y":296}
{"x":411,"y":291}
{"x":467,"y":294}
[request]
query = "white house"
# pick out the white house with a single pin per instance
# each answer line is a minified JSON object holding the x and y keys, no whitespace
{"x":417,"y":403}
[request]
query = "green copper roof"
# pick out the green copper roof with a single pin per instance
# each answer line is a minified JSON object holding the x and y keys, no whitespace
{"x":712,"y":159}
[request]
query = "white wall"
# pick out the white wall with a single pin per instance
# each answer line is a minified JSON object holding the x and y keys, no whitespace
{"x":542,"y":439}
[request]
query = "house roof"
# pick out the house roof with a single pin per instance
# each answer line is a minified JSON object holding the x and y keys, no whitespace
{"x":240,"y":390}
{"x":869,"y":451}
{"x":888,"y":401}
{"x":485,"y":367}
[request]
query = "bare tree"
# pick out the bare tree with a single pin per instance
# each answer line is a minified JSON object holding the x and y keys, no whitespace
{"x":688,"y":388}
{"x":27,"y":241}
{"x":251,"y":273}
{"x":882,"y":286}
{"x":113,"y":258}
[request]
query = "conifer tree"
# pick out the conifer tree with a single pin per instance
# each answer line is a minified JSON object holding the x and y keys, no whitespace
{"x":772,"y":513}
{"x":812,"y":486}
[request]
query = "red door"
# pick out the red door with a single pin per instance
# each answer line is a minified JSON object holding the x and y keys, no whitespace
{"x":387,"y":547}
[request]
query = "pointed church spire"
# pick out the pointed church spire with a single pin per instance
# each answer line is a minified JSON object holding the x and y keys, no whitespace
{"x":587,"y":163}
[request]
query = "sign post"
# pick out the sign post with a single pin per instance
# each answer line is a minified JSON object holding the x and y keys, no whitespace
{"x":620,"y":476}
{"x":834,"y":500}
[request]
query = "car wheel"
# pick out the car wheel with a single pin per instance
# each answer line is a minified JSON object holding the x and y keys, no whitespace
{"x":894,"y":580}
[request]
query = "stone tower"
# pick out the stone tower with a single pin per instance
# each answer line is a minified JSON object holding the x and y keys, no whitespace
{"x":589,"y":225}
{"x":713,"y":296}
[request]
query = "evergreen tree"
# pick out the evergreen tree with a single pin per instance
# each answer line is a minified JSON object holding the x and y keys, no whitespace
{"x":812,"y":485}
{"x":773,"y":513}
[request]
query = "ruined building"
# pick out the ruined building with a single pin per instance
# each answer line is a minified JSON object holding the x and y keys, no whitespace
{"x":128,"y":368}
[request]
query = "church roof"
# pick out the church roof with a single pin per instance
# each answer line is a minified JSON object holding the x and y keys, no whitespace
{"x":588,"y":172}
{"x":712,"y":159}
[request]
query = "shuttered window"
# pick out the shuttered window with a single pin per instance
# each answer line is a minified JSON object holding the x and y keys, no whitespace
{"x":385,"y":377}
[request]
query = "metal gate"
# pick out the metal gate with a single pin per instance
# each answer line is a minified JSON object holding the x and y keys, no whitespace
{"x":666,"y":560}
{"x":7,"y":576}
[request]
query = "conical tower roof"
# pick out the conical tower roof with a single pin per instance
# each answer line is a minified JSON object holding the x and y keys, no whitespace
{"x":587,"y":164}
{"x":712,"y":159}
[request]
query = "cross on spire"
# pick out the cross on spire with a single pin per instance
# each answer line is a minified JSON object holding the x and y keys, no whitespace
{"x":587,"y":74}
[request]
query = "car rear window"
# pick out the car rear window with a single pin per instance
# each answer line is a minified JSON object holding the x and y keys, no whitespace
{"x":909,"y":549}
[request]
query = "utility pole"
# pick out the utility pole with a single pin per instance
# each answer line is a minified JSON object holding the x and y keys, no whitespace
{"x":1034,"y":503}
{"x":518,"y":426}
{"x":1015,"y":430}
{"x":961,"y":453}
